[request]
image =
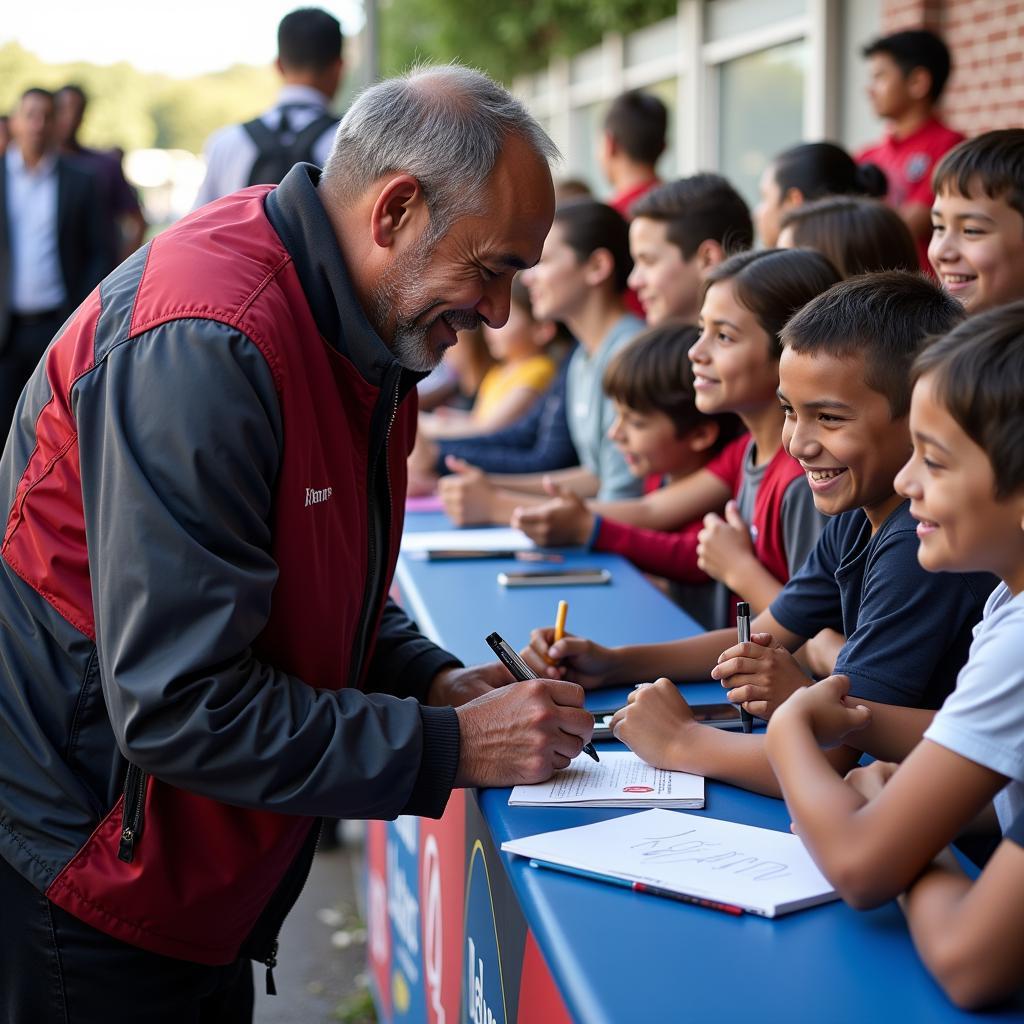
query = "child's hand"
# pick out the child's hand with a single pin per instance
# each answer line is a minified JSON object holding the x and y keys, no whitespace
{"x":573,"y":657}
{"x":655,"y":724}
{"x":870,"y":780}
{"x":825,"y":708}
{"x":760,"y":674}
{"x":821,"y":651}
{"x":565,"y":519}
{"x":724,"y":546}
{"x":423,"y":457}
{"x":466,"y":494}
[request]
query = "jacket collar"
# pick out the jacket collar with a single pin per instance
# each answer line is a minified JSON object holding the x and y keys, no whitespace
{"x":297,"y":215}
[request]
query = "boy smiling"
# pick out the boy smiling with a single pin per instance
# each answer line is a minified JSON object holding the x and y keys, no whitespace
{"x":845,"y":389}
{"x":977,"y":246}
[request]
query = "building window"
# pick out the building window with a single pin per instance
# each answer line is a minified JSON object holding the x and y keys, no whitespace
{"x":760,"y":111}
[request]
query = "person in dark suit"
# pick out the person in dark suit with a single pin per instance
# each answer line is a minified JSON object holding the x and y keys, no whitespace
{"x":51,"y":243}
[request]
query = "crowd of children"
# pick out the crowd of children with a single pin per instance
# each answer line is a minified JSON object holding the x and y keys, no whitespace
{"x":829,"y":433}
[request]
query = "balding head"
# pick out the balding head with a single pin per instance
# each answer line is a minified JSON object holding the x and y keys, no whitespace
{"x":443,"y":125}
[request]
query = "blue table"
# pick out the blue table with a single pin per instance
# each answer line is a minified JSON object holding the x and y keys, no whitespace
{"x":622,"y":957}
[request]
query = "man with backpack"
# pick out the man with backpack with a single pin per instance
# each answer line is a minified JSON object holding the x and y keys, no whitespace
{"x":298,"y":127}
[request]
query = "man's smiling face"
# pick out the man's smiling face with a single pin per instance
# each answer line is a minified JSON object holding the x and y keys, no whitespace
{"x":434,"y":288}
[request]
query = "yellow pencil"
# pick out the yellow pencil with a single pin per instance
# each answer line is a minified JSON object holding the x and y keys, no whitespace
{"x":563,"y":611}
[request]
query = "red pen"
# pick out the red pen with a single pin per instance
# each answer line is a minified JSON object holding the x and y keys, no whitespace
{"x":681,"y":897}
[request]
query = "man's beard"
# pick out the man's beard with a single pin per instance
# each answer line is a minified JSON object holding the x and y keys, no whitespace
{"x":401,"y":289}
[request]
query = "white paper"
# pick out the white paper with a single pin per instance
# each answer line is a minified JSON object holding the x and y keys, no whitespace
{"x":499,"y":539}
{"x":762,"y":871}
{"x":619,"y":779}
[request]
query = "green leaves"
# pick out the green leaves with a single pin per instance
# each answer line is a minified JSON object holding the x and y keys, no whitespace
{"x":505,"y":38}
{"x":133,"y":109}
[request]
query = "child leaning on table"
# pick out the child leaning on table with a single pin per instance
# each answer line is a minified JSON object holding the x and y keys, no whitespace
{"x":664,"y":438}
{"x":877,"y":833}
{"x":845,"y":387}
{"x":770,"y":522}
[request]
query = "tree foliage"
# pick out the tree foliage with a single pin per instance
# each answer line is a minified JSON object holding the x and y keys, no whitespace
{"x":134,"y":109}
{"x":506,"y":38}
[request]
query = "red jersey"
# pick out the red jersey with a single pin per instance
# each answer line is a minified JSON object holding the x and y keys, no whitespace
{"x":621,"y":202}
{"x":908,"y":164}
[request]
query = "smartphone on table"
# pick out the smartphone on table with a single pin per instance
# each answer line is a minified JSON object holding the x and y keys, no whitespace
{"x":721,"y":716}
{"x":562,"y":577}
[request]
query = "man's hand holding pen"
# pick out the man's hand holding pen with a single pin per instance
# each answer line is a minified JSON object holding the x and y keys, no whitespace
{"x":522,"y":733}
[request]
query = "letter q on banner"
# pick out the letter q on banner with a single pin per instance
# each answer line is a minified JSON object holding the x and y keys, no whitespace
{"x":431,"y":898}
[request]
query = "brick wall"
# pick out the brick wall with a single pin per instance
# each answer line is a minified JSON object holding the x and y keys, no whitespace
{"x":986,"y":37}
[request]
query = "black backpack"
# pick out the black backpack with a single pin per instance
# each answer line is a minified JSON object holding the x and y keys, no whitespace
{"x":280,"y":150}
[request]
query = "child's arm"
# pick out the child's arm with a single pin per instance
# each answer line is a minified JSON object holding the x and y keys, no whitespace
{"x":590,"y":664}
{"x":577,"y":479}
{"x":819,"y":654}
{"x":659,"y":726}
{"x":567,"y":521}
{"x":763,"y":673}
{"x":870,"y":851}
{"x":505,"y":412}
{"x":726,"y":553}
{"x":970,"y":936}
{"x":672,"y":555}
{"x":669,"y":507}
{"x":471,"y":496}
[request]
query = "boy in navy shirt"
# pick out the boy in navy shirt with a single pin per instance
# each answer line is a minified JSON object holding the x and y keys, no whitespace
{"x":845,"y":387}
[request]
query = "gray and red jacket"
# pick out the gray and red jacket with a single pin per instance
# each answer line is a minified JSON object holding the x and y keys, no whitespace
{"x":205,"y":486}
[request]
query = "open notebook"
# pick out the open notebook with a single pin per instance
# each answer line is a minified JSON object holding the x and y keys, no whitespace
{"x":619,"y":779}
{"x":701,"y":859}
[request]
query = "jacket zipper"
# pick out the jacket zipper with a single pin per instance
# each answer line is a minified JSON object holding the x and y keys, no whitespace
{"x":369,"y":607}
{"x":269,"y":958}
{"x":271,"y":962}
{"x":266,"y":951}
{"x":131,"y":812}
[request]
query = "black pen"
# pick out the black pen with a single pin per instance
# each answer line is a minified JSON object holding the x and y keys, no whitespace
{"x":743,"y":633}
{"x":522,"y":672}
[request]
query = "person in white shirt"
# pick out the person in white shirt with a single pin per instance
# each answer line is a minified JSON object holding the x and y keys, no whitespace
{"x":297,"y":127}
{"x":52,"y":251}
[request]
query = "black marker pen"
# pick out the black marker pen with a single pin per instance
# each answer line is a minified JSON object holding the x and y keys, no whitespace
{"x":743,"y":634}
{"x":522,"y":672}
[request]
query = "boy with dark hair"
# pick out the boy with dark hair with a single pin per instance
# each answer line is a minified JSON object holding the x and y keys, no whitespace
{"x":845,"y":388}
{"x":881,"y":830}
{"x":634,"y":138}
{"x":678,"y":233}
{"x":977,"y":246}
{"x":908,"y":71}
{"x":664,"y":437}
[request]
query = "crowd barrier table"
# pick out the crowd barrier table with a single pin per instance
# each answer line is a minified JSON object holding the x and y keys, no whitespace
{"x":459,"y":932}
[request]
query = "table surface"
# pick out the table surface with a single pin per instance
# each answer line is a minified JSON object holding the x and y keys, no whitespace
{"x":619,"y":956}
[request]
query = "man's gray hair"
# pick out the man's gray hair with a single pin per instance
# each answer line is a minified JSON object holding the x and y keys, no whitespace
{"x":443,"y":124}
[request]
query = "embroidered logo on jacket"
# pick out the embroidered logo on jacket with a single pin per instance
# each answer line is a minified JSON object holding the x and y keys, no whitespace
{"x":314,"y":496}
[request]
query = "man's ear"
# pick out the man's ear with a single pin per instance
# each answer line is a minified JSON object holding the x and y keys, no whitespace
{"x":709,"y":254}
{"x":793,"y":197}
{"x":398,"y":206}
{"x":919,"y":83}
{"x":599,"y":267}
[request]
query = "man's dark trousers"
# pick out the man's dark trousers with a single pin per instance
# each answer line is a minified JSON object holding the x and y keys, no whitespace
{"x":55,"y":969}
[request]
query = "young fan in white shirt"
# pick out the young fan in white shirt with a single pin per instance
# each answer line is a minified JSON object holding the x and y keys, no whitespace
{"x":876,"y":834}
